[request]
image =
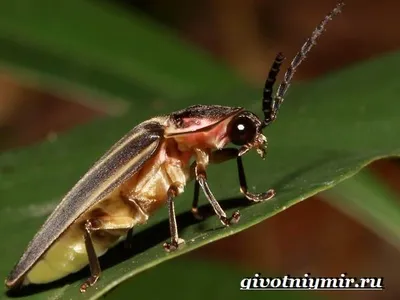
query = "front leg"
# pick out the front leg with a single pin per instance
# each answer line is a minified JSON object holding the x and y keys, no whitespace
{"x":230,"y":153}
{"x":243,"y":186}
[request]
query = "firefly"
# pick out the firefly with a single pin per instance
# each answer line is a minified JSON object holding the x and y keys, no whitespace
{"x":146,"y":169}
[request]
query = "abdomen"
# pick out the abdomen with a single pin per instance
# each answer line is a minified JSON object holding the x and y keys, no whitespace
{"x":68,"y":254}
{"x":135,"y":200}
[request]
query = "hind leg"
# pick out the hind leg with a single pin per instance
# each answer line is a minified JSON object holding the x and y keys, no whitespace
{"x":96,"y":224}
{"x":175,"y":240}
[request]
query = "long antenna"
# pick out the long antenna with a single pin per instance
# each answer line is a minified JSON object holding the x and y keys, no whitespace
{"x":271,"y":105}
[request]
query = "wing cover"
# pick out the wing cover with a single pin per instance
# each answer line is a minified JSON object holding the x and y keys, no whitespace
{"x":121,"y":162}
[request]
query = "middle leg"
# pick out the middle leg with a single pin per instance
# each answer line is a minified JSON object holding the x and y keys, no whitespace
{"x":201,"y":179}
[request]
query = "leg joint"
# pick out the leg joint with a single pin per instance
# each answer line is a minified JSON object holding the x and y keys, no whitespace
{"x":92,"y":224}
{"x":200,"y":171}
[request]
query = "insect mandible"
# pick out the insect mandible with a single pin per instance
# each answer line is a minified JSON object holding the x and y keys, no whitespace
{"x":147,"y":168}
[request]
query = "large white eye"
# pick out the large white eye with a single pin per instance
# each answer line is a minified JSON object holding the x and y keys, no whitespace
{"x":242,"y":130}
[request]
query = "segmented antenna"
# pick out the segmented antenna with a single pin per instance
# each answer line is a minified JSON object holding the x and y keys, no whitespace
{"x":271,"y":105}
{"x":268,"y":88}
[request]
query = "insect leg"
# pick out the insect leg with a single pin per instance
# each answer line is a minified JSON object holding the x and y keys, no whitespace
{"x":201,"y":177}
{"x":106,"y":223}
{"x":229,"y":153}
{"x":129,"y":239}
{"x":195,"y":203}
{"x":243,"y":185}
{"x":175,"y":240}
{"x":94,"y":264}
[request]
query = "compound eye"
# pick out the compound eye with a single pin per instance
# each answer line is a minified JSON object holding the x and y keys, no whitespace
{"x":242,"y":130}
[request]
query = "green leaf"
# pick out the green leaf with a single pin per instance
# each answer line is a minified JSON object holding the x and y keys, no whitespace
{"x":326,"y":132}
{"x":365,"y":198}
{"x":176,"y":279}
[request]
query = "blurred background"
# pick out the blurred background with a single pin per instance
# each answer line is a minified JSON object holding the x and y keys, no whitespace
{"x":312,"y":236}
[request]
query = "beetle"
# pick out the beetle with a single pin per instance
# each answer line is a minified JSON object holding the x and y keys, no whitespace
{"x":147,"y":168}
